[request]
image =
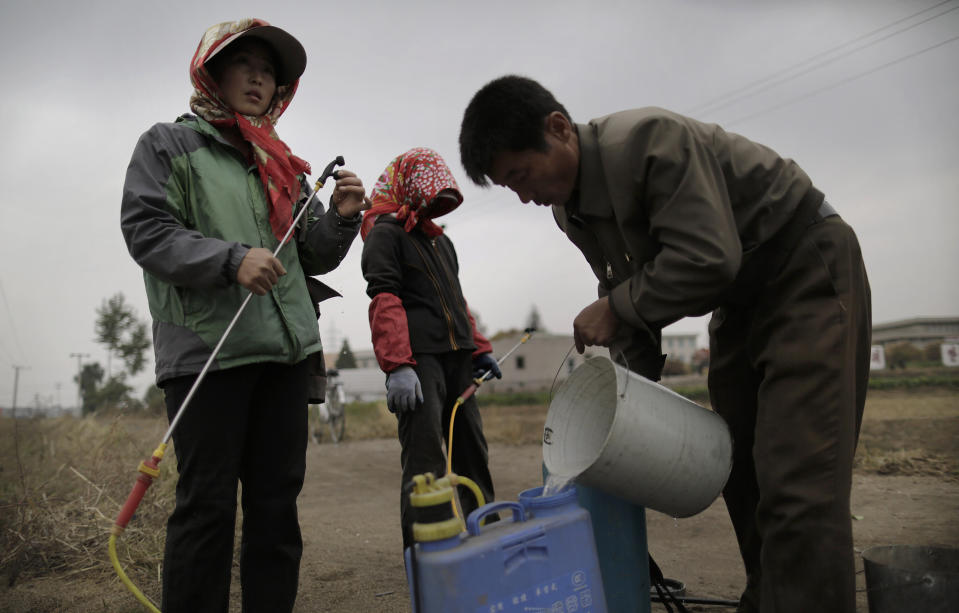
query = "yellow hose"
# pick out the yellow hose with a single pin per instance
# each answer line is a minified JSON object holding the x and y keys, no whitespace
{"x":461,"y":480}
{"x":112,"y":546}
{"x":449,"y":443}
{"x":477,"y":382}
{"x":458,"y":479}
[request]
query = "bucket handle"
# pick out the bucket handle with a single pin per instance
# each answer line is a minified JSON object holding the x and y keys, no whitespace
{"x":473,"y":521}
{"x":622,"y":394}
{"x":549,"y":395}
{"x":552,"y":386}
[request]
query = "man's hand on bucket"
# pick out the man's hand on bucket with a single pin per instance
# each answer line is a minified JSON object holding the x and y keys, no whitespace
{"x":595,"y":325}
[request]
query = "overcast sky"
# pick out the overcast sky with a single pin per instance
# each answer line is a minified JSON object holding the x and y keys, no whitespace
{"x":862,"y":94}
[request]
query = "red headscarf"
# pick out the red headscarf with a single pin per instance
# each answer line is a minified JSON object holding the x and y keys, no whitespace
{"x":277,"y":165}
{"x":410,"y":182}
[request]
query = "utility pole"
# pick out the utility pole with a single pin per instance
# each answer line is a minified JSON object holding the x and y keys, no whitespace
{"x":332,"y":336}
{"x":16,"y":383}
{"x":331,"y":340}
{"x":79,"y":357}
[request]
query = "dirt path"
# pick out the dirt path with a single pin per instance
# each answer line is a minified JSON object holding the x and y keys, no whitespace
{"x":352,"y":560}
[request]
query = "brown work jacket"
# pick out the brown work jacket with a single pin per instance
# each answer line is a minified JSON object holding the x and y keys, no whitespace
{"x":677,"y":217}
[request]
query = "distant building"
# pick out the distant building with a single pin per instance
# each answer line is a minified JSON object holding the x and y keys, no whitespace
{"x":539,"y":364}
{"x":365,"y":358}
{"x":532,"y":367}
{"x":680,"y":347}
{"x":547,"y":359}
{"x":920,"y":331}
{"x":363,"y":384}
{"x":28,"y":412}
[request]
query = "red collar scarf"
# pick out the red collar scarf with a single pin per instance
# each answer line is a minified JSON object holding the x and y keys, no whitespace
{"x":277,"y":165}
{"x":410,"y":182}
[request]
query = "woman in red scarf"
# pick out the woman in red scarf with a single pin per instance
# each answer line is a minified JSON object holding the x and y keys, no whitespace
{"x":206,"y":202}
{"x":424,"y":336}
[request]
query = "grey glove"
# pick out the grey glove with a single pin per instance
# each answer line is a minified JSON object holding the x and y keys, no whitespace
{"x":403,"y":390}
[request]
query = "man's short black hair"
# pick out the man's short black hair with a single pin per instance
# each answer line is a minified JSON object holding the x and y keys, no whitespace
{"x":507,"y":114}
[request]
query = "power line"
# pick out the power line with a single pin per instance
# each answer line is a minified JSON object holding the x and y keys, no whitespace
{"x":749,"y":89}
{"x":845,"y":81}
{"x":481,"y":204}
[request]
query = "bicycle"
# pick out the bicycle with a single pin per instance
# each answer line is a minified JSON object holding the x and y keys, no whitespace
{"x":331,"y":412}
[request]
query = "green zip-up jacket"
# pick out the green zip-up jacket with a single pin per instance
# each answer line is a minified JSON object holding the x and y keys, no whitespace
{"x":192,"y":209}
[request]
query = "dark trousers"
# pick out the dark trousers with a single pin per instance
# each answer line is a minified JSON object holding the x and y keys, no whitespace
{"x":246,"y":424}
{"x":424,"y":432}
{"x":789,"y":374}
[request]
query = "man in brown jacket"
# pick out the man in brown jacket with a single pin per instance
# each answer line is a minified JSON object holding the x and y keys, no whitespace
{"x":679,"y":218}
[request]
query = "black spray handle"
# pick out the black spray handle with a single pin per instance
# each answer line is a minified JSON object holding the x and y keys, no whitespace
{"x":328,"y":172}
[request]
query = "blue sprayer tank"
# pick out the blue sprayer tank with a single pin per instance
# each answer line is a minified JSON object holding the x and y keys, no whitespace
{"x":542,"y":559}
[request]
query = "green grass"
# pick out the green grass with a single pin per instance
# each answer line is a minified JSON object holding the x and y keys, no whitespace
{"x":512,"y":399}
{"x":932,"y":378}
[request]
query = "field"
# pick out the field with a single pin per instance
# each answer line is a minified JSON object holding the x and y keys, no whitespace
{"x":63,"y":481}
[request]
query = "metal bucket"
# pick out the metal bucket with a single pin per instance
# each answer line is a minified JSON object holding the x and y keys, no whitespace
{"x":613,"y":430}
{"x":912,"y":578}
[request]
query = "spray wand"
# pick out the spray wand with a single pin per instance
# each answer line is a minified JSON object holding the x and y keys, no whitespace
{"x":149,"y":469}
{"x":469,"y":391}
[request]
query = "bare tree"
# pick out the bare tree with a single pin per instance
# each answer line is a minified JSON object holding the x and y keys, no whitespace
{"x":124,"y":335}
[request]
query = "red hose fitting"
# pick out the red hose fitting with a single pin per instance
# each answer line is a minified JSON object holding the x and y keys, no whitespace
{"x":149,"y":470}
{"x":467,"y":393}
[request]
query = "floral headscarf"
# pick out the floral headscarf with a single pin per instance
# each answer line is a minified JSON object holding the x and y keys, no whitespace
{"x":409,"y":183}
{"x":277,"y":165}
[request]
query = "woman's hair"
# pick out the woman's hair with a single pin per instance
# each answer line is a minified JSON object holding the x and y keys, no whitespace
{"x":507,"y":114}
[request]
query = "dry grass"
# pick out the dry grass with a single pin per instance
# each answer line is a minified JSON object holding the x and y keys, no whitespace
{"x":931,"y":403}
{"x":367,"y":420}
{"x":63,"y":481}
{"x":907,"y":462}
{"x":514,"y":425}
{"x":914,"y":432}
{"x":511,"y":425}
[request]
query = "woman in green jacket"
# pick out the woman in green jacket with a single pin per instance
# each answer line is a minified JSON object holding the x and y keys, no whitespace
{"x":206,"y":201}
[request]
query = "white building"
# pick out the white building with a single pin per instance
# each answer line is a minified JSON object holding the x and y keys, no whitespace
{"x":920,"y":331}
{"x":539,"y":364}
